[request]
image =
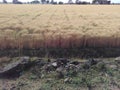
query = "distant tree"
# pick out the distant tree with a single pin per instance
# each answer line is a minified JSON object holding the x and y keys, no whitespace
{"x":70,"y":2}
{"x":77,"y":2}
{"x":101,"y":1}
{"x":52,"y":1}
{"x":4,"y":1}
{"x":43,"y":1}
{"x":19,"y":2}
{"x":16,"y":2}
{"x":60,"y":2}
{"x":35,"y":2}
{"x":47,"y":1}
{"x":28,"y":2}
{"x":84,"y":2}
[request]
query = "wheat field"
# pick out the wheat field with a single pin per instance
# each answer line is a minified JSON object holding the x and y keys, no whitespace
{"x":62,"y":26}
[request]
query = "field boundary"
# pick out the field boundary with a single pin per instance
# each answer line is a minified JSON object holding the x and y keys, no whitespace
{"x":63,"y":52}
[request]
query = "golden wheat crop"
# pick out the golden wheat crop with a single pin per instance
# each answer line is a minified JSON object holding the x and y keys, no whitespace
{"x":36,"y":26}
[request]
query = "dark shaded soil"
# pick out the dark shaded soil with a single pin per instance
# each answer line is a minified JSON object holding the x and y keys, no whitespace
{"x":63,"y":52}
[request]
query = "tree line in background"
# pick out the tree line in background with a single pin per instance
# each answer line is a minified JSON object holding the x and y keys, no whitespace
{"x":60,"y":2}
